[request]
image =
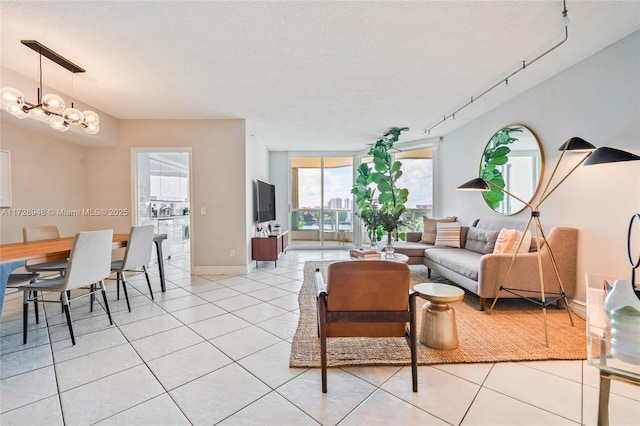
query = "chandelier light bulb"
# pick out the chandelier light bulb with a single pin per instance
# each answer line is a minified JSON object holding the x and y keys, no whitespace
{"x":90,"y":117}
{"x":91,"y":129}
{"x":19,"y":111}
{"x":11,"y":96}
{"x":59,"y":124}
{"x":40,"y":115}
{"x":72,"y":116}
{"x":53,"y":103}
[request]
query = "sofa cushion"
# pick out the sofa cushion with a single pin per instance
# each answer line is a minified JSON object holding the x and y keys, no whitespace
{"x":411,"y":249}
{"x":448,"y":234}
{"x":481,"y":240}
{"x":430,"y":228}
{"x":464,"y":262}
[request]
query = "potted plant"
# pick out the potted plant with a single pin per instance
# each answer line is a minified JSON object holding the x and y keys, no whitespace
{"x":380,"y":204}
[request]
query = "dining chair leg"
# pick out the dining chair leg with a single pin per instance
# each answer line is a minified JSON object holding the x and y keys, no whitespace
{"x":68,"y":293}
{"x":67,"y":313}
{"x":92,"y":297}
{"x":118,"y":278}
{"x":124,"y":289}
{"x":106,"y":303}
{"x":144,"y":268}
{"x":25,"y":315}
{"x":35,"y":305}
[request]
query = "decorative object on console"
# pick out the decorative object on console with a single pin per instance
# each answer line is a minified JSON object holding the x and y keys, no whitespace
{"x":49,"y":108}
{"x":593,"y":156}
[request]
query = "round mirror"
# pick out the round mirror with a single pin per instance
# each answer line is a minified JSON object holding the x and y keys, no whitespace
{"x":512,"y":160}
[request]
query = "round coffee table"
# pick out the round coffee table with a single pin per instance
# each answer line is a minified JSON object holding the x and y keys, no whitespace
{"x":438,"y":318}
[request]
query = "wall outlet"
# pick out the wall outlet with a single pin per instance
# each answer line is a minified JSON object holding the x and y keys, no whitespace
{"x":203,"y":210}
{"x":232,"y":253}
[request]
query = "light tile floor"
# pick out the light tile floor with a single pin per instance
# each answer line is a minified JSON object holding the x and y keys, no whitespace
{"x":215,"y":350}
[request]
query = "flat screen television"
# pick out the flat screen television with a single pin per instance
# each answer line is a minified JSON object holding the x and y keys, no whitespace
{"x":266,"y":202}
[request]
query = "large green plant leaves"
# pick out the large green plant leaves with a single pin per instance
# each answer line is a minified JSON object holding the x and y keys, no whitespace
{"x":382,"y":207}
{"x":496,"y":154}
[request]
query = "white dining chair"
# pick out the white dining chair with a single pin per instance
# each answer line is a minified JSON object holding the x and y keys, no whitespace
{"x":89,"y":266}
{"x":137,"y":255}
{"x":17,"y":279}
{"x":40,"y":233}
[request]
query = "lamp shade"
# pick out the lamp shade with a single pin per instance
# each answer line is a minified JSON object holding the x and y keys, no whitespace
{"x":576,"y":144}
{"x":477,"y":184}
{"x":11,"y":97}
{"x":609,"y":155}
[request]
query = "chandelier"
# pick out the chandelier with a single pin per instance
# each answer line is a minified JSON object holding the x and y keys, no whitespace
{"x":49,"y":108}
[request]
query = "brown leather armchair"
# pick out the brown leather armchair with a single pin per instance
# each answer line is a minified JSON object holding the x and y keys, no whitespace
{"x":366,"y":298}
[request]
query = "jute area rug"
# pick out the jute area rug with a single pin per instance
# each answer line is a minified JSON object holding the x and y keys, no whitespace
{"x":513,"y":332}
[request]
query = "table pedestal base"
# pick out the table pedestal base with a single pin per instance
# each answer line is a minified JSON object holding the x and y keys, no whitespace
{"x":439,"y":326}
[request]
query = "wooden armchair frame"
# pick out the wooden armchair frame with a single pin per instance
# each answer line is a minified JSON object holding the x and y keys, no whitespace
{"x":326,"y":316}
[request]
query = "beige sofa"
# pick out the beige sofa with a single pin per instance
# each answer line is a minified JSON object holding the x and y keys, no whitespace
{"x":476,"y":268}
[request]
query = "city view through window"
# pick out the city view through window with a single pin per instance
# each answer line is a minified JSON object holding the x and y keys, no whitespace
{"x":322,"y":199}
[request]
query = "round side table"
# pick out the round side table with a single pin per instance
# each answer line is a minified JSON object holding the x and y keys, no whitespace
{"x":438,"y":318}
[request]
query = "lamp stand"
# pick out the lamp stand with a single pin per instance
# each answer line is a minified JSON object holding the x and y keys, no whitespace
{"x":539,"y":232}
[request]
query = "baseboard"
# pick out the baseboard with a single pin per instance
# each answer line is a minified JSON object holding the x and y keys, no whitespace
{"x":222,"y":270}
{"x":579,"y":308}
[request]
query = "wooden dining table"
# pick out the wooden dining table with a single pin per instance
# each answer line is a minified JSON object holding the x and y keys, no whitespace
{"x":16,"y":255}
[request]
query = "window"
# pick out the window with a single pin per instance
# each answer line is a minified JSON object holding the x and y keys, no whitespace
{"x":321,"y":201}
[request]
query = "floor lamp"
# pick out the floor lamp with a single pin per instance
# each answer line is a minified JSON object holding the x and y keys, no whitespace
{"x":592,"y":156}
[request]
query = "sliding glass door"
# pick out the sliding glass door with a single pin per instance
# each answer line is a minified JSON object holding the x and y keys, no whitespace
{"x":321,"y":201}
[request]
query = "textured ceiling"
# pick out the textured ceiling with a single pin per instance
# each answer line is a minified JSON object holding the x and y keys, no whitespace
{"x":306,"y":74}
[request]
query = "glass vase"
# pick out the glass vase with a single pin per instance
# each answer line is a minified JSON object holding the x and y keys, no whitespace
{"x":389,"y":250}
{"x":373,"y":245}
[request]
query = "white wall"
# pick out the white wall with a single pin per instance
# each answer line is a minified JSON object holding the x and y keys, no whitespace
{"x":47,"y":177}
{"x":279,"y":176}
{"x":257,"y":168}
{"x":218,"y":183}
{"x":598,"y":100}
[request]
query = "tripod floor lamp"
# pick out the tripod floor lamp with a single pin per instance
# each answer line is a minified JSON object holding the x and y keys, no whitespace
{"x":592,"y":156}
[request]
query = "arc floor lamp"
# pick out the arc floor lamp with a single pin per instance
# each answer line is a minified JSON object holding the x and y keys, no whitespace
{"x":592,"y":156}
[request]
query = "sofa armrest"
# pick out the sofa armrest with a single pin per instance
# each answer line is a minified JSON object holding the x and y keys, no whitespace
{"x":524,"y":273}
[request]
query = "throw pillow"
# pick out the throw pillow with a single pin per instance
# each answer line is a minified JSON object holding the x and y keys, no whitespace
{"x":505,"y":240}
{"x":526,"y":242}
{"x":481,"y":240}
{"x":430,"y":228}
{"x":448,"y":234}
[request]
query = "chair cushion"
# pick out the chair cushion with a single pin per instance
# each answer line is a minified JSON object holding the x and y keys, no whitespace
{"x":117,"y":265}
{"x":52,"y":266}
{"x":16,"y":279}
{"x":52,"y":284}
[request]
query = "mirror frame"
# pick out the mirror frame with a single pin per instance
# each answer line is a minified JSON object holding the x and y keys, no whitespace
{"x":489,"y":163}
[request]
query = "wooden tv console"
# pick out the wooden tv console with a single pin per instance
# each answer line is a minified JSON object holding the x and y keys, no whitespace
{"x":269,"y":248}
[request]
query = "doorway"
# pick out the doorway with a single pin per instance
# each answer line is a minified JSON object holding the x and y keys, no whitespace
{"x":162,"y":196}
